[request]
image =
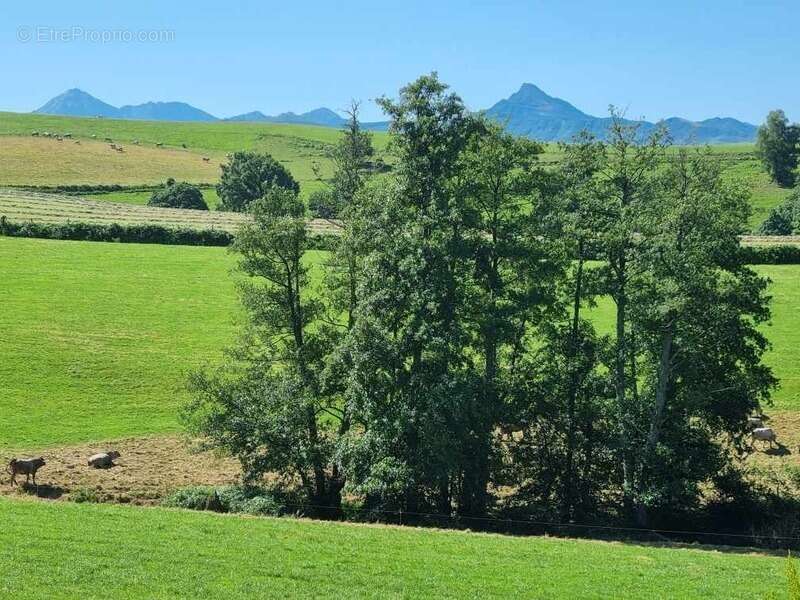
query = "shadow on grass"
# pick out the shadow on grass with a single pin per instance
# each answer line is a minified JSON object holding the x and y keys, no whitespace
{"x":43,"y":490}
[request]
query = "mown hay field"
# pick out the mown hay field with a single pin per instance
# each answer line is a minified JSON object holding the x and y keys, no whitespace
{"x":22,"y":206}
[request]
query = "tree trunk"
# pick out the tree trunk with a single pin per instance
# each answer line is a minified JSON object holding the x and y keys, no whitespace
{"x":657,"y":417}
{"x":569,"y":491}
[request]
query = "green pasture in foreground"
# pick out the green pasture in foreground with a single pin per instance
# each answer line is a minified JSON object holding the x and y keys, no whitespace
{"x":66,"y":550}
{"x":97,"y":338}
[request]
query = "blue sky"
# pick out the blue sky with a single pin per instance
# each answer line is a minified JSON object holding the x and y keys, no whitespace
{"x":658,"y":59}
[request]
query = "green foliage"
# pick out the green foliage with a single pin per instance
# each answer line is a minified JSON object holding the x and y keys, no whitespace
{"x":778,"y":146}
{"x":273,"y":374}
{"x":248,"y":176}
{"x":178,"y":195}
{"x":85,"y":494}
{"x":134,"y":234}
{"x":250,"y":500}
{"x":784,"y":219}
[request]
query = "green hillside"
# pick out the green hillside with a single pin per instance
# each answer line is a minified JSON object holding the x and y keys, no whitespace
{"x":64,"y":550}
{"x":98,"y":337}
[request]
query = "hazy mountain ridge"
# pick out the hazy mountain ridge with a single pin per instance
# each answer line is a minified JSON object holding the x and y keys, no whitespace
{"x":529,"y":112}
{"x":533,"y":113}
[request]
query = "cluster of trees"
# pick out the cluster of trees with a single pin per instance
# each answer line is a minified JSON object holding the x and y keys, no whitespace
{"x":448,"y":354}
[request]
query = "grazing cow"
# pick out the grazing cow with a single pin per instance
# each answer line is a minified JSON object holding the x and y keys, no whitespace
{"x":755,"y":423}
{"x":25,"y":466}
{"x":764,"y":434}
{"x":103,"y":460}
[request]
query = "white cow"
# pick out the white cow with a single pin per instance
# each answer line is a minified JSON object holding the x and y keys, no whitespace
{"x":764,"y":434}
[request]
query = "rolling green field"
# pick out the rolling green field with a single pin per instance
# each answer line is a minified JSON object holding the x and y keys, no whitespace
{"x":65,"y":550}
{"x":98,"y":337}
{"x":303,"y":149}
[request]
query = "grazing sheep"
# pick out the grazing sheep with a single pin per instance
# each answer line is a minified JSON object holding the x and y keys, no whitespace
{"x":68,"y":135}
{"x":59,"y":138}
{"x":206,"y":159}
{"x":109,"y":140}
{"x":103,"y":460}
{"x":113,"y":146}
{"x":755,"y":423}
{"x":764,"y":434}
{"x":94,"y":136}
{"x":135,"y":142}
{"x":159,"y":144}
{"x":77,"y":141}
{"x":35,"y":133}
{"x":25,"y":466}
{"x":120,"y":149}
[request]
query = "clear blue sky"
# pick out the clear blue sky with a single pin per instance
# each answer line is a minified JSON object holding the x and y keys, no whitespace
{"x":694,"y":59}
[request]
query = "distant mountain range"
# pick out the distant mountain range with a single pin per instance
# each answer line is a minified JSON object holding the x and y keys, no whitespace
{"x":529,"y":112}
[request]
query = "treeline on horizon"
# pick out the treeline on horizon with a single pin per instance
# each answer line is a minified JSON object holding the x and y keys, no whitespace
{"x":447,"y":365}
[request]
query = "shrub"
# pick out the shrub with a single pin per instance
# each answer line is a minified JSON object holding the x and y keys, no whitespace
{"x":85,"y":494}
{"x":248,"y":176}
{"x":322,"y":204}
{"x":251,"y":500}
{"x":178,"y":195}
{"x":784,"y":219}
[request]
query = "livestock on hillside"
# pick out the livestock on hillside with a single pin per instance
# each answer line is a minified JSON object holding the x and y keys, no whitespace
{"x":764,"y":434}
{"x":103,"y":460}
{"x":24,"y":466}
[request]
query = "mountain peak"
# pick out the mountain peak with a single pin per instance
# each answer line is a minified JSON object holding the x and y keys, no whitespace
{"x":533,"y":113}
{"x":76,"y":102}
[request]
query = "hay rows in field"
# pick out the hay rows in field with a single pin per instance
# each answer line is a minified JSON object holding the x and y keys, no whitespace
{"x":24,"y":206}
{"x":39,"y":207}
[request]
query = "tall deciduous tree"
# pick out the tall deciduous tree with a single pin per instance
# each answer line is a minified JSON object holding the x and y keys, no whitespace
{"x":778,"y":145}
{"x":266,"y":406}
{"x":695,"y":306}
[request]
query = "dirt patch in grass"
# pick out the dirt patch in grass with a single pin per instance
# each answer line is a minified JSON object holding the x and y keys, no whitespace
{"x":147,"y":470}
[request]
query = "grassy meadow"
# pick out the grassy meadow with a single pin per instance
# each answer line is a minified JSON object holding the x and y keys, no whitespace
{"x":99,"y":337}
{"x":65,"y":550}
{"x":303,"y":149}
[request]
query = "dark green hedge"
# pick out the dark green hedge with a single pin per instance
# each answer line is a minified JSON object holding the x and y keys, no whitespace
{"x":772,"y":255}
{"x":89,"y":189}
{"x":136,"y":234}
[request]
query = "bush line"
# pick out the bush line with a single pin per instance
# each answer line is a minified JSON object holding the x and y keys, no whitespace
{"x":133,"y":234}
{"x":89,"y":189}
